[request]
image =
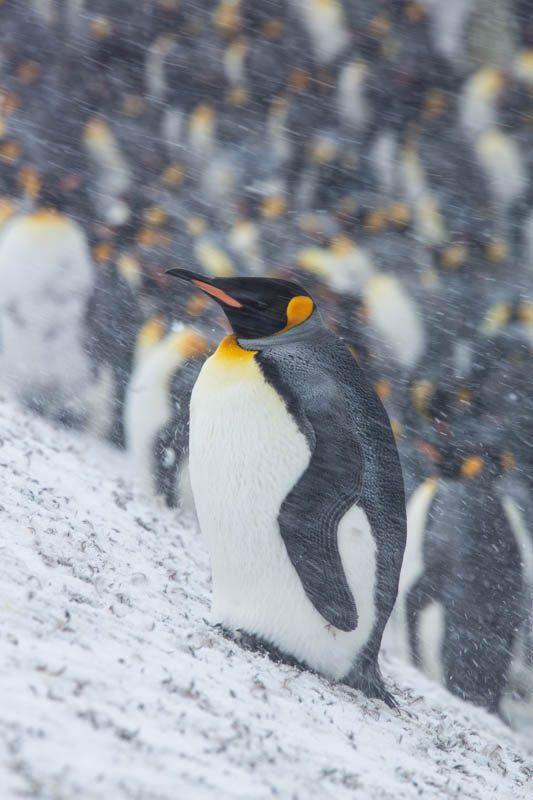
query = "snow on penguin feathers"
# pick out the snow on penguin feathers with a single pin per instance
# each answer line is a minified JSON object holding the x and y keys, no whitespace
{"x":297,"y":484}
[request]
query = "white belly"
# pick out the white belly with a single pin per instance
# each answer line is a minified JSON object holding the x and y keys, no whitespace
{"x":45,"y":280}
{"x":149,"y":406}
{"x":246,"y":452}
{"x":396,"y":634}
{"x":431,"y":629}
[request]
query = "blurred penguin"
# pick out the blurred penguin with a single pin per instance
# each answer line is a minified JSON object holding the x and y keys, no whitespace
{"x":453,"y":176}
{"x":112,"y":171}
{"x":46,"y":277}
{"x":505,"y":376}
{"x":372,"y":305}
{"x":168,"y":359}
{"x":449,"y":23}
{"x":502,"y":162}
{"x":211,"y":249}
{"x":462,"y":588}
{"x":113,"y":318}
{"x":516,"y":706}
{"x":343,"y":265}
{"x":478,"y":111}
{"x":326,"y":24}
{"x":395,"y":322}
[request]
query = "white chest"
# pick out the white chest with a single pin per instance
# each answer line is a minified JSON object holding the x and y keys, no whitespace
{"x":148,"y":407}
{"x":45,"y":280}
{"x":246,"y":453}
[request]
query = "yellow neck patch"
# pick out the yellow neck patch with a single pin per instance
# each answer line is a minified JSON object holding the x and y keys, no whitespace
{"x":190,"y":344}
{"x":47,"y":216}
{"x":299,"y":309}
{"x":230,"y":352}
{"x":7,"y":208}
{"x":150,"y":334}
{"x":230,"y":365}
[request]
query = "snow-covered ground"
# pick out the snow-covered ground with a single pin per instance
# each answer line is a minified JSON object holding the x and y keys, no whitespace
{"x":115,"y":686}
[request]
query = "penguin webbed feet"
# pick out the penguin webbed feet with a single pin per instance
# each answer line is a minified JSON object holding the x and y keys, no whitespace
{"x":367,"y":679}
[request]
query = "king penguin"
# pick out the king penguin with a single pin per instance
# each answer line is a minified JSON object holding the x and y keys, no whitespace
{"x":46,"y":277}
{"x":297,"y":485}
{"x":464,"y":592}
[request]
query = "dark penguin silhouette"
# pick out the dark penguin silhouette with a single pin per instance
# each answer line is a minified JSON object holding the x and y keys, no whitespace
{"x":462,"y":591}
{"x":112,"y":319}
{"x":297,"y":484}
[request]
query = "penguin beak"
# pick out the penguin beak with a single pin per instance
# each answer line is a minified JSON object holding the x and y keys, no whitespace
{"x":206,"y":285}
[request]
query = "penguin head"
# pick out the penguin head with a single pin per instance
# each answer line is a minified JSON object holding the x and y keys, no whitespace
{"x":255,"y":307}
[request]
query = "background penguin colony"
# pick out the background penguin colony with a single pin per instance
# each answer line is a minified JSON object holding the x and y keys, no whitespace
{"x":381,"y":154}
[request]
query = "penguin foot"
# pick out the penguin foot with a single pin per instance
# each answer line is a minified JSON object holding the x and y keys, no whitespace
{"x":368,"y":679}
{"x":365,"y":678}
{"x":249,"y":641}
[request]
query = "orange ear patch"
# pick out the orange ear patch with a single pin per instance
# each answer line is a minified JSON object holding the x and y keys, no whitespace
{"x":219,"y":294}
{"x":472,"y":466}
{"x":299,"y":309}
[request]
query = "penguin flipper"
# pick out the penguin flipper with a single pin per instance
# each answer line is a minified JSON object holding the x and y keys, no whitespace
{"x":311,"y":512}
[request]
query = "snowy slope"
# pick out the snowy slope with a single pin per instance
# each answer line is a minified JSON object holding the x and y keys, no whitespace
{"x":115,"y":686}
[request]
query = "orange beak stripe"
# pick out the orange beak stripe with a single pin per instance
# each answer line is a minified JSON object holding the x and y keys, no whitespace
{"x":218,"y":293}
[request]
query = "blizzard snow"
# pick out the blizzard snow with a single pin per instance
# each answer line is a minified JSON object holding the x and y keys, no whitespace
{"x":115,"y":686}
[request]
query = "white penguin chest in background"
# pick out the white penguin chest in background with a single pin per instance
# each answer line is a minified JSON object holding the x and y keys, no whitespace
{"x":246,"y":454}
{"x":148,"y":404}
{"x":45,"y":280}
